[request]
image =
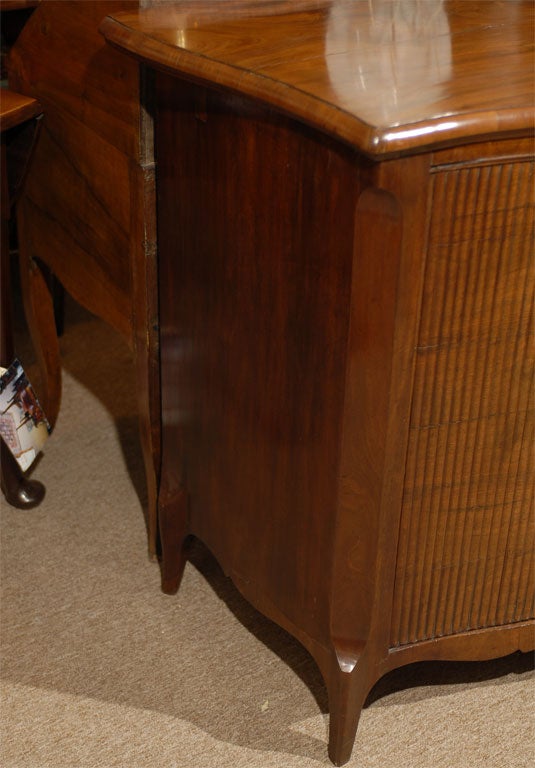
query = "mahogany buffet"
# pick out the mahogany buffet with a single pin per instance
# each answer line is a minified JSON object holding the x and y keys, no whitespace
{"x":345,"y":221}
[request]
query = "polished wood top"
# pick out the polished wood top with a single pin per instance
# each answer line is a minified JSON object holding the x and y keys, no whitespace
{"x":388,"y":76}
{"x":15,"y":109}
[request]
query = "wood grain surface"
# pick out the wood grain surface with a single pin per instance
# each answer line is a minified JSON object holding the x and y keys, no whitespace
{"x":388,"y":77}
{"x":467,"y":536}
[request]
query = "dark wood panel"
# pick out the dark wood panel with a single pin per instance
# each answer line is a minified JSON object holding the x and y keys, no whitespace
{"x":255,"y":258}
{"x":90,"y":284}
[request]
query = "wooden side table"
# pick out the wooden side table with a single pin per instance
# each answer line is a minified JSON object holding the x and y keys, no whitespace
{"x":345,"y":224}
{"x":15,"y":110}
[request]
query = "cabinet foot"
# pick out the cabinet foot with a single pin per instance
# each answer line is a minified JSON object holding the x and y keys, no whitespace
{"x":347,"y":695}
{"x":173,"y":526}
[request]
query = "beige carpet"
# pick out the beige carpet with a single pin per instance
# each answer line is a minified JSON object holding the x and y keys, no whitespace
{"x":100,"y":669}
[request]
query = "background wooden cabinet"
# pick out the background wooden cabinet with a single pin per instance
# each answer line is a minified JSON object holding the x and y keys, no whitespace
{"x":87,"y":212}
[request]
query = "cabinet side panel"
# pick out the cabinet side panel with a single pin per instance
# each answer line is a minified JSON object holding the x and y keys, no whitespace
{"x":255,"y":236}
{"x":465,"y":554}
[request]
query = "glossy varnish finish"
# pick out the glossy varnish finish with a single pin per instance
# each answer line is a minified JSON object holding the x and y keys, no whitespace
{"x":387,"y":76}
{"x":345,"y":296}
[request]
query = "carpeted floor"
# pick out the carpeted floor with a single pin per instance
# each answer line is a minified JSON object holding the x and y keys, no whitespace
{"x":101,"y":670}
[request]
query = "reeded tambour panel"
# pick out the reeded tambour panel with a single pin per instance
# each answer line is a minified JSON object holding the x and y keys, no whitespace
{"x":465,"y":556}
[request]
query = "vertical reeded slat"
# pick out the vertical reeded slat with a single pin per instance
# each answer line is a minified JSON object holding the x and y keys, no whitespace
{"x":465,"y":555}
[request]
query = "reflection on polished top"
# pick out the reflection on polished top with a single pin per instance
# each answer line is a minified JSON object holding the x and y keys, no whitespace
{"x":387,"y":76}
